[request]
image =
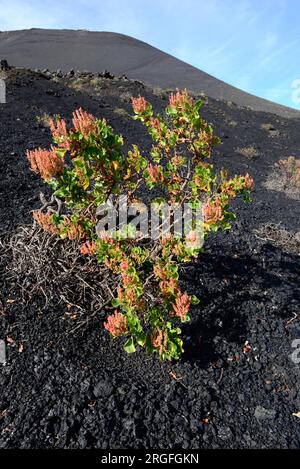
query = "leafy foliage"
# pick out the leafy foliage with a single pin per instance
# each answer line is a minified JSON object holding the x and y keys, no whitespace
{"x":86,"y":165}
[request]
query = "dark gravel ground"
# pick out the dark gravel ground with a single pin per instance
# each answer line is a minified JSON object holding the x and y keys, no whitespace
{"x":79,"y":390}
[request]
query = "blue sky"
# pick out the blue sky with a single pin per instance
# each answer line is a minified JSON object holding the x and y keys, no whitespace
{"x":252,"y":44}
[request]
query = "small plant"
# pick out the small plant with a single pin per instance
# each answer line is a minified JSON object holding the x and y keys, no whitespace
{"x":285,"y":177}
{"x":120,"y":112}
{"x":290,"y":168}
{"x":249,"y":152}
{"x":43,"y":119}
{"x":86,"y":166}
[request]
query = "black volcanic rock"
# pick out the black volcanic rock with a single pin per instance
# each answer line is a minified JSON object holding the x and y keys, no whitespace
{"x":120,"y":54}
{"x":4,"y":65}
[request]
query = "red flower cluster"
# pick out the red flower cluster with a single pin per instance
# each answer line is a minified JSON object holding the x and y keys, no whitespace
{"x":249,"y":182}
{"x":105,"y":237}
{"x":116,"y":324}
{"x":84,"y":123}
{"x":155,"y":173}
{"x":168,"y":285}
{"x":73,"y":231}
{"x":45,"y":221}
{"x":45,"y":162}
{"x":155,"y":124}
{"x":182,"y":306}
{"x":159,"y":340}
{"x":88,"y":248}
{"x":180,"y":99}
{"x":212,"y":211}
{"x":59,"y":131}
{"x":139,"y":105}
{"x":126,"y":277}
{"x":193,"y":239}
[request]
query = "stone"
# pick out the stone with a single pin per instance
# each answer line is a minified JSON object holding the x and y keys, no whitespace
{"x":225,"y":433}
{"x":103,"y":389}
{"x":261,"y":413}
{"x":4,"y":65}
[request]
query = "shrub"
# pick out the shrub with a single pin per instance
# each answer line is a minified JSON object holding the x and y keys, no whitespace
{"x":285,"y":177}
{"x":290,"y":168}
{"x":249,"y":152}
{"x":86,"y":166}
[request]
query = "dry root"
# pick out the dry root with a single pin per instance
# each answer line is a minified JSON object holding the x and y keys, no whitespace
{"x":50,"y":271}
{"x":279,"y":237}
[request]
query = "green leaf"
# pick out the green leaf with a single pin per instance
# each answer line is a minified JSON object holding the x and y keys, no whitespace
{"x":170,"y":111}
{"x":198,"y":105}
{"x":195,"y":300}
{"x":230,"y":216}
{"x":141,"y":339}
{"x":214,"y":228}
{"x":56,"y":219}
{"x":60,"y":152}
{"x":129,"y":346}
{"x":115,"y":302}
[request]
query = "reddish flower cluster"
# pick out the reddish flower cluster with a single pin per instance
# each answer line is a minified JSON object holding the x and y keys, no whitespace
{"x":116,"y":324}
{"x":139,"y":105}
{"x":168,"y":285}
{"x":45,"y":162}
{"x":159,"y":340}
{"x":155,"y":124}
{"x":128,"y":294}
{"x":126,"y":277}
{"x":59,"y":131}
{"x":131,"y":297}
{"x":193,"y":239}
{"x":166,"y":238}
{"x":159,"y":272}
{"x":45,"y":221}
{"x":229,"y":189}
{"x":73,"y":231}
{"x":207,"y":139}
{"x":155,"y":173}
{"x":249,"y":182}
{"x":88,"y":248}
{"x":105,"y":237}
{"x":182,"y":306}
{"x":82,"y":179}
{"x":84,"y":123}
{"x":174,"y":183}
{"x":124,"y":266}
{"x":180,"y":99}
{"x":233,"y":186}
{"x":212,"y":212}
